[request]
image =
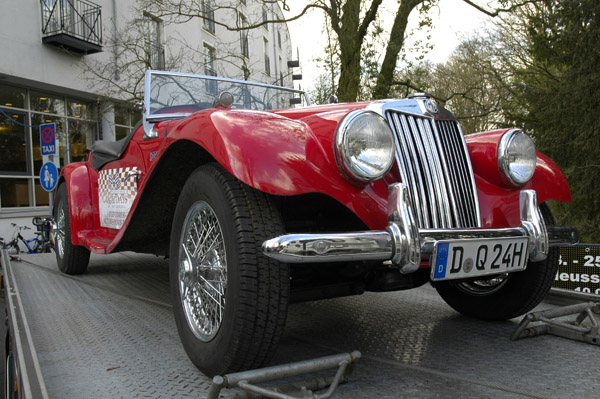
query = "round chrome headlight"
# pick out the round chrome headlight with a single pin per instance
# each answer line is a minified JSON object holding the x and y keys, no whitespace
{"x":517,"y":157}
{"x":364,"y":146}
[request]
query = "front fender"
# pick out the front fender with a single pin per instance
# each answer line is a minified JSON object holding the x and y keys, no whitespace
{"x":496,"y":196}
{"x":76,"y":177}
{"x":269,"y":152}
{"x":283,"y":156}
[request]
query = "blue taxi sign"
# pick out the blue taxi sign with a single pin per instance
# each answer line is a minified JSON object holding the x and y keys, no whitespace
{"x":48,"y":176}
{"x":48,"y":138}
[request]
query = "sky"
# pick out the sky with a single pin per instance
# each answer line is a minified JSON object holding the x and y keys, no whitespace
{"x":452,"y":20}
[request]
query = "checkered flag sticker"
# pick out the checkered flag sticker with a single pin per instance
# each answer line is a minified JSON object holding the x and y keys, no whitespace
{"x":117,"y":189}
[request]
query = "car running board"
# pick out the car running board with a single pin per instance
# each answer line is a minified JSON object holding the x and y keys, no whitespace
{"x":544,"y":322}
{"x":247,"y":380}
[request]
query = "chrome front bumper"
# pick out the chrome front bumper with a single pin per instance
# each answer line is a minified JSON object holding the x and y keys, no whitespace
{"x":404,"y":244}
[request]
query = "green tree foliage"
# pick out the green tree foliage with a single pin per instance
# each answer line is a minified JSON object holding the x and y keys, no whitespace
{"x":357,"y":31}
{"x":557,"y":98}
{"x":466,"y":83}
{"x":537,"y":70}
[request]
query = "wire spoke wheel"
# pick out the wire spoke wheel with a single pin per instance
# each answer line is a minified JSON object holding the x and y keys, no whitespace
{"x":60,"y":232}
{"x":229,"y":299}
{"x":202,"y":271}
{"x":484,"y":287}
{"x":70,"y":259}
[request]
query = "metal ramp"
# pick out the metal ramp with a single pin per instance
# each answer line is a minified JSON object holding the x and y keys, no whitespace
{"x":583,"y":328}
{"x":110,"y":333}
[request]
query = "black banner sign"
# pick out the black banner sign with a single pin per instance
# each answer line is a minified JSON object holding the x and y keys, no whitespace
{"x":579,"y":269}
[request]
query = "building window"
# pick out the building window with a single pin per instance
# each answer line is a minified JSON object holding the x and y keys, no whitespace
{"x":209,"y":60}
{"x":13,"y":150}
{"x":208,"y":14}
{"x":265,"y":17}
{"x":279,"y":38}
{"x":244,"y":36}
{"x":155,"y":52}
{"x":280,"y":73}
{"x":267,"y":59}
{"x":22,"y":111}
{"x":125,"y":120}
{"x":209,"y":68}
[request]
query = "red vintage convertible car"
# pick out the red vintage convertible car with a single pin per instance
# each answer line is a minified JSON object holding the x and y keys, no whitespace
{"x":257,"y":205}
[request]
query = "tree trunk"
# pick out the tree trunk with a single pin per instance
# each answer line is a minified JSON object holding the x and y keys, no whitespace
{"x":349,"y":81}
{"x":386,"y":73}
{"x":351,"y":32}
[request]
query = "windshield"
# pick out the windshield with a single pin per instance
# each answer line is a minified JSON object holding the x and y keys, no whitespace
{"x":172,"y":95}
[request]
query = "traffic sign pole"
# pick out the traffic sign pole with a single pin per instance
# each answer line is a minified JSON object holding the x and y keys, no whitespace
{"x":48,"y":174}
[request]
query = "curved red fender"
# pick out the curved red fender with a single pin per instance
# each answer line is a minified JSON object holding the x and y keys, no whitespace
{"x":77,"y":179}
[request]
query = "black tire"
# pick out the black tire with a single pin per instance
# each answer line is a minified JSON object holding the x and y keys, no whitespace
{"x":507,"y":296}
{"x":71,"y":259}
{"x":253,"y":290}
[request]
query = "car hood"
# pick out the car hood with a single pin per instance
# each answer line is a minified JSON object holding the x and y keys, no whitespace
{"x":303,"y":112}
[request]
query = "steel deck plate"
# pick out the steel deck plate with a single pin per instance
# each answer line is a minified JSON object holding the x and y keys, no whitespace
{"x":110,"y":333}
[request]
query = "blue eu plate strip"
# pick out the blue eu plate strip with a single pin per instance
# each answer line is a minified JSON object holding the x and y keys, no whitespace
{"x":441,"y":260}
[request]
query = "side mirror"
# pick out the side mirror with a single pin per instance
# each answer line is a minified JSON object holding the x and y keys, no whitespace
{"x":225,"y":100}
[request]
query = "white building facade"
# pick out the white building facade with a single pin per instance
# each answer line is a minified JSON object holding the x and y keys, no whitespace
{"x":69,"y":62}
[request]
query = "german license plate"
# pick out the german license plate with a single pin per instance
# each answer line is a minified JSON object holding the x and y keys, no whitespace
{"x":454,"y":259}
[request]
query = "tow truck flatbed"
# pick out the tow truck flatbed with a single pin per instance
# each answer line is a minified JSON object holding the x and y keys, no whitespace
{"x":110,"y":333}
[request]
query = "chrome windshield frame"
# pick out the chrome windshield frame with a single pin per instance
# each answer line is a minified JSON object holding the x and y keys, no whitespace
{"x":151,"y":118}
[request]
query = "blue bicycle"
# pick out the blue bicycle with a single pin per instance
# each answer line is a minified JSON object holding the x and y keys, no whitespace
{"x":38,"y":244}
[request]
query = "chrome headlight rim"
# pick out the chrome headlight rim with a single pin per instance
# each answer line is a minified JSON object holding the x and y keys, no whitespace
{"x":344,"y":159}
{"x":505,"y":153}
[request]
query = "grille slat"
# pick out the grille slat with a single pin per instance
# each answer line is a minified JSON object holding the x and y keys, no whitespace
{"x":453,"y":171}
{"x":434,"y":164}
{"x":465,"y":174}
{"x":440,"y":171}
{"x":426,"y":170}
{"x":418,"y":187}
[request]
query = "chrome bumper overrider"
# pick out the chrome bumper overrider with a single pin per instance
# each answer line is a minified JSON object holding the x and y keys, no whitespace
{"x":404,"y":244}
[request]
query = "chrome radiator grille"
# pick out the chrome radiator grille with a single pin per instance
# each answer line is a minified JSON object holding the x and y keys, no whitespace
{"x":435,"y":166}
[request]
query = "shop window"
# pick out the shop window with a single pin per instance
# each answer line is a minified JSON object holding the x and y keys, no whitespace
{"x":47,"y":103}
{"x":12,"y":96}
{"x":14,"y":193}
{"x":61,"y":139}
{"x":81,"y":136}
{"x":20,"y":153}
{"x":125,"y":120}
{"x":81,"y":109}
{"x":42,"y":197}
{"x":13,"y":142}
{"x":121,"y":132}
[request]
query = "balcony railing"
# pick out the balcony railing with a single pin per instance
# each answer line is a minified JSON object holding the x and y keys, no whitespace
{"x":155,"y":54}
{"x":73,"y":24}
